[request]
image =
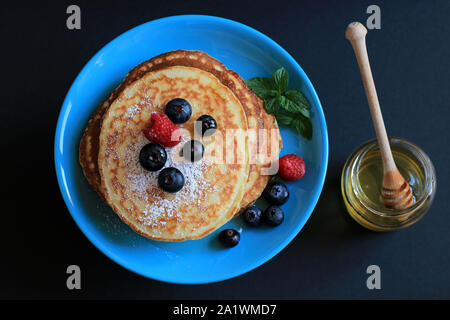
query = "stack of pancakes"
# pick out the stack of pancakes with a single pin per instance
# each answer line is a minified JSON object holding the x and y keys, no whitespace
{"x":214,"y":192}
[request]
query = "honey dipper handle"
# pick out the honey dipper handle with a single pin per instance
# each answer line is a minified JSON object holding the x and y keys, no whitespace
{"x":356,"y":34}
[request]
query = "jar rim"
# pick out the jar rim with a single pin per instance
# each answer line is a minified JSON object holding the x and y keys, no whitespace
{"x":423,"y":159}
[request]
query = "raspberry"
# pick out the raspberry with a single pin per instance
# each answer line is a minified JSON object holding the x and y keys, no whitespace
{"x":291,"y":167}
{"x":162,"y":130}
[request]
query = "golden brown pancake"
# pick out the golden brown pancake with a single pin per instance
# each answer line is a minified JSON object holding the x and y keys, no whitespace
{"x":213,"y":189}
{"x":253,"y":106}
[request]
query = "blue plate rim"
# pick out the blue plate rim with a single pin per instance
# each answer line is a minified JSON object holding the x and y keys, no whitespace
{"x":205,"y":18}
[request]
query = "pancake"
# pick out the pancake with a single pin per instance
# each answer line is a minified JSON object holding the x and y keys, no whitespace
{"x":213,"y":189}
{"x":257,"y":118}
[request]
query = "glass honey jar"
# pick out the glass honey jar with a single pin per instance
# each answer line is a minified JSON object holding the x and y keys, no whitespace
{"x":362,"y":177}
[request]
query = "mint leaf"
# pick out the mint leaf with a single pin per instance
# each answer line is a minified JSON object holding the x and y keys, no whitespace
{"x":295,"y":102}
{"x":303,"y":126}
{"x":290,"y":107}
{"x":284,"y":117}
{"x":298,"y":98}
{"x":281,"y":79}
{"x":272,"y":104}
{"x":282,"y":100}
{"x":262,"y":87}
{"x":295,"y":108}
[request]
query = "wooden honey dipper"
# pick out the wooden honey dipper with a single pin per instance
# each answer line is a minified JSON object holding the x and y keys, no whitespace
{"x":395,"y":191}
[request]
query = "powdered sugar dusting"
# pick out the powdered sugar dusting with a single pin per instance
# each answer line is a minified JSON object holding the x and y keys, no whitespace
{"x":142,"y":184}
{"x":137,"y":108}
{"x":133,"y":110}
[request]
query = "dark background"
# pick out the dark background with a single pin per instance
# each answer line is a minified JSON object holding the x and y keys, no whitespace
{"x":329,"y":257}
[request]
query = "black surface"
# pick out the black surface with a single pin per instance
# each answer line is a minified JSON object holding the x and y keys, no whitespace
{"x":329,"y":257}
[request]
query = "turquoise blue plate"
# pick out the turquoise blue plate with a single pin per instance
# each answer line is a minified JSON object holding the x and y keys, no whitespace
{"x":242,"y":49}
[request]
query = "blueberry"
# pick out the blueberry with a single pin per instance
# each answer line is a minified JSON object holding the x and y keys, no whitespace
{"x":252,"y":215}
{"x":152,"y":157}
{"x":178,"y":110}
{"x":229,"y":237}
{"x":209,"y":125}
{"x":273,"y":215}
{"x":193,"y":150}
{"x":276,"y":193}
{"x":170,"y":180}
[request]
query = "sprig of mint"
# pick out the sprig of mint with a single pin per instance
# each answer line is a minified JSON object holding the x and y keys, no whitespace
{"x":290,"y":107}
